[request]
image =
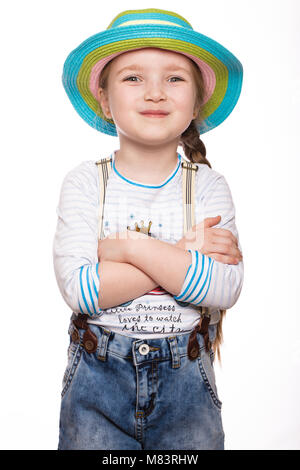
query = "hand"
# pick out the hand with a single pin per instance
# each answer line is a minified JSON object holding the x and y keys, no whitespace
{"x":217,"y":243}
{"x":116,"y":245}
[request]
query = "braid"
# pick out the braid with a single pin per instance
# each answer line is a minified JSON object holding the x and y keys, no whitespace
{"x":193,"y":146}
{"x":195,"y":151}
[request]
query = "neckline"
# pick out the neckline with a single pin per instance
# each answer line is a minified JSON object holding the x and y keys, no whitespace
{"x":137,"y":183}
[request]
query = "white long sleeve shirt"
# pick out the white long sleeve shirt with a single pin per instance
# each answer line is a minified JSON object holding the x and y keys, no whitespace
{"x":157,"y":313}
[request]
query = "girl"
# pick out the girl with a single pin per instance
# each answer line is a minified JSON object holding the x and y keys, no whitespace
{"x":140,"y":371}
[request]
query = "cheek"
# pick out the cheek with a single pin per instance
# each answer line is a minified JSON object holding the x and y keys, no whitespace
{"x":185,"y":101}
{"x":123,"y":102}
{"x":119,"y":106}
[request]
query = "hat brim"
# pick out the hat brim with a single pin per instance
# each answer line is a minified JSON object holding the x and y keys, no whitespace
{"x":222,"y":71}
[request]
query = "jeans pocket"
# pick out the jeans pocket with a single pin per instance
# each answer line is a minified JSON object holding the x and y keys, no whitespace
{"x":74,"y":355}
{"x":207,"y":372}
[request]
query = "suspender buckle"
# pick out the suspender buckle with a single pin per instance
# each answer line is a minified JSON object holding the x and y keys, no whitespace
{"x":103,"y":160}
{"x":189,"y":166}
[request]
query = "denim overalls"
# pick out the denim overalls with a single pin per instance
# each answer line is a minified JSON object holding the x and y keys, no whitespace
{"x":139,"y":394}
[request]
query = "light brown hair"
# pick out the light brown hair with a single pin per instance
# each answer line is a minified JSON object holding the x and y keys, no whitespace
{"x":194,"y":150}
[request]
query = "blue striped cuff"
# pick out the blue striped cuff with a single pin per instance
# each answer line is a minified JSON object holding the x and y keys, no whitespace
{"x":88,"y":289}
{"x":197,"y":280}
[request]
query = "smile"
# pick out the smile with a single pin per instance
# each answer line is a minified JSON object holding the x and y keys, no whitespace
{"x":155,"y":115}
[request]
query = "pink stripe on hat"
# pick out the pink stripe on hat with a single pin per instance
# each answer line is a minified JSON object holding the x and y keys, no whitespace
{"x":207,"y":72}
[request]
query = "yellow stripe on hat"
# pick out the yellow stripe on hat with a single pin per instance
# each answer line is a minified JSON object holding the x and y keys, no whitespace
{"x":132,"y":22}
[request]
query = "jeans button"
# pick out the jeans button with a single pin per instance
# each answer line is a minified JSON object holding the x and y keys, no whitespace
{"x":144,"y":349}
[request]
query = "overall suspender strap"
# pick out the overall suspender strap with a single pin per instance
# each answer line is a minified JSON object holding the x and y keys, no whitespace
{"x":188,"y":192}
{"x":104,"y":168}
{"x":90,"y":341}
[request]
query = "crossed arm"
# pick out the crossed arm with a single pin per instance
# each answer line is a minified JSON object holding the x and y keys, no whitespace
{"x":137,"y":269}
{"x":144,"y":263}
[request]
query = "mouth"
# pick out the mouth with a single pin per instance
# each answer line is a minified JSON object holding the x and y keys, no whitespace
{"x":155,"y":115}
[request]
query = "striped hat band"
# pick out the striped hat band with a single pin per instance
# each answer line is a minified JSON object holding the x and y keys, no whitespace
{"x":131,"y":30}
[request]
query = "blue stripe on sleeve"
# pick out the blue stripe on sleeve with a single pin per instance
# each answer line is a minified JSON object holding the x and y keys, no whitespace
{"x":184,"y":287}
{"x":82,"y":292}
{"x":193,"y":287}
{"x":80,"y":308}
{"x":198,"y":285}
{"x":208,"y":284}
{"x":96,"y":285}
{"x":197,"y":280}
{"x":88,"y":279}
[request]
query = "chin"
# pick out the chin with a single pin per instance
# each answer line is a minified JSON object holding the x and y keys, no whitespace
{"x":150,"y":135}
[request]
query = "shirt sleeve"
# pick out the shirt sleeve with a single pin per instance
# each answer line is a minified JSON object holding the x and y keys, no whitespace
{"x":208,"y":282}
{"x":75,"y":242}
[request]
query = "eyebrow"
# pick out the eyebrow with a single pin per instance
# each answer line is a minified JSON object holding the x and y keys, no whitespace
{"x":172,"y":67}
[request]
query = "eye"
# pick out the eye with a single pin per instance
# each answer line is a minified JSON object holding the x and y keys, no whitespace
{"x":133,"y":76}
{"x":128,"y":78}
{"x":178,"y":78}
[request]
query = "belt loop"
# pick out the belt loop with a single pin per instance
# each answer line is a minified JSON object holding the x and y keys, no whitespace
{"x":102,"y":348}
{"x":174,"y":351}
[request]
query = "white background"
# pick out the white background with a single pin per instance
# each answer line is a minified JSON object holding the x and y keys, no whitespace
{"x":256,"y":149}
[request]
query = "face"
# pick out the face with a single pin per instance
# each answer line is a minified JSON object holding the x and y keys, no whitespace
{"x":150,"y":79}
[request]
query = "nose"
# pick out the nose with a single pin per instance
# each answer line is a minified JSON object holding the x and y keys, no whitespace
{"x":155,"y":91}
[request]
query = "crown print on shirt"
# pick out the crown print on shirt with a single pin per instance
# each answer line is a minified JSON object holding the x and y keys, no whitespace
{"x":142,"y":228}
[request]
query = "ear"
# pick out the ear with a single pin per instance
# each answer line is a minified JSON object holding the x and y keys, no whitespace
{"x":103,"y":100}
{"x":196,"y":112}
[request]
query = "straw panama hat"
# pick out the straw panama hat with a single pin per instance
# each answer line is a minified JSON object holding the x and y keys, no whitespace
{"x":135,"y":29}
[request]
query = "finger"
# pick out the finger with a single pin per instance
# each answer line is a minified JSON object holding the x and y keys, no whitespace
{"x":225,"y":249}
{"x":222,"y":232}
{"x":232,"y":246}
{"x":218,"y":239}
{"x":225,"y":259}
{"x":221,"y":248}
{"x":210,"y":221}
